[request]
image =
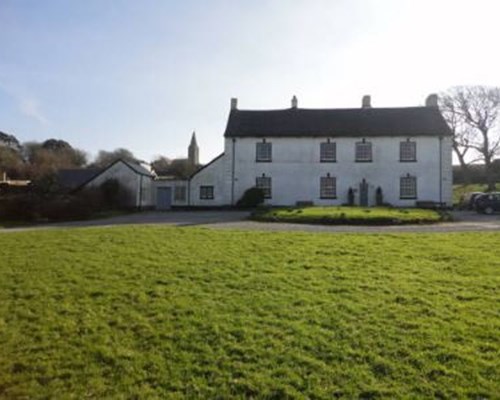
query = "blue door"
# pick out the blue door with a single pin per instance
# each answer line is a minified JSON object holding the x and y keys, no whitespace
{"x":363,"y":194}
{"x":163,"y":198}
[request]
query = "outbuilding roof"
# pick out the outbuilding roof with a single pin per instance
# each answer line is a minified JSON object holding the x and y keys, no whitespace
{"x":72,"y":178}
{"x":347,"y":122}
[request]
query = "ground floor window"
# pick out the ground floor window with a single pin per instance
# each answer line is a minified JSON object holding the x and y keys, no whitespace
{"x":408,"y":187}
{"x":328,"y":187}
{"x":264,"y":182}
{"x":180,"y":193}
{"x":206,"y":192}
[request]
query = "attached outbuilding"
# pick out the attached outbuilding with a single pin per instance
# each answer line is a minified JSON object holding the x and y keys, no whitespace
{"x":135,"y":178}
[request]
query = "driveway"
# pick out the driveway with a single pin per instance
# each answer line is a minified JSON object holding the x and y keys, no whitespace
{"x":465,"y":221}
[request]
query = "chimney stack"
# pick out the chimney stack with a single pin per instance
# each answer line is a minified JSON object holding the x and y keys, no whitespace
{"x":234,"y":103}
{"x":366,"y":102}
{"x":294,"y":102}
{"x":431,"y":100}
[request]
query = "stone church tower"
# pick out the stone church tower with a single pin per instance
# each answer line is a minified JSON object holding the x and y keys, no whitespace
{"x":193,"y":151}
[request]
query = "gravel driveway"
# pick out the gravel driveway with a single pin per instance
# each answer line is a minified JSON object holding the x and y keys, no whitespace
{"x":464,"y":221}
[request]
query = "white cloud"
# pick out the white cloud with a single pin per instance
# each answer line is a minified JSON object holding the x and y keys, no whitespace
{"x":27,"y":104}
{"x":30,"y":107}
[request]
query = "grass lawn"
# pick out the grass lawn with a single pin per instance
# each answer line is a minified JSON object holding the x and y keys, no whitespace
{"x":348,"y":215}
{"x":157,"y":312}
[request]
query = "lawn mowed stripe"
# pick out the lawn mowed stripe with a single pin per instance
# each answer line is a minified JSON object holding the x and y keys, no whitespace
{"x":343,"y":215}
{"x":154,"y":311}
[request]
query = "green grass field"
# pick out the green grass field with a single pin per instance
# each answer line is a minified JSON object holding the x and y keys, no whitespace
{"x":155,"y":312}
{"x":348,"y":215}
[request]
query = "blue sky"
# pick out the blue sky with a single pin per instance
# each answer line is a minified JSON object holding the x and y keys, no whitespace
{"x":144,"y":74}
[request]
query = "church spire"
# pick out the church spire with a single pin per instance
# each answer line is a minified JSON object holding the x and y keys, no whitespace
{"x":193,"y":151}
{"x":193,"y":139}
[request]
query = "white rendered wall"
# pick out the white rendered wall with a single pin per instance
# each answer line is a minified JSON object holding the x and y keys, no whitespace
{"x":138,"y":185}
{"x":447,"y":170}
{"x":214,"y":175}
{"x":171,"y":184}
{"x":296,"y":170}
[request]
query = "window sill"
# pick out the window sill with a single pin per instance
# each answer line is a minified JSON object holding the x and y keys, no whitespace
{"x":363,"y":161}
{"x":264,"y":161}
{"x":407,"y":198}
{"x":405,"y":161}
{"x":328,"y":198}
{"x":328,"y":161}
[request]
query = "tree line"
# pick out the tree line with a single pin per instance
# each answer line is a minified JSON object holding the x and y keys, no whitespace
{"x":39,"y":160}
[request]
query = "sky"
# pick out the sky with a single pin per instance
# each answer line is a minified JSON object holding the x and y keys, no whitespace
{"x":143,"y":75}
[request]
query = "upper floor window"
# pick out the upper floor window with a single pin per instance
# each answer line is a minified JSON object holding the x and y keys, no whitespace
{"x":328,"y":187}
{"x":264,"y":151}
{"x":264,"y":182}
{"x":206,"y":192}
{"x":408,"y":187}
{"x":408,"y":151}
{"x":363,"y":151}
{"x":328,"y":151}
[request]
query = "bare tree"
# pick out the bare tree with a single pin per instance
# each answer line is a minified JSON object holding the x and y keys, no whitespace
{"x":472,"y":113}
{"x":44,"y":159}
{"x":161,"y":164}
{"x":104,"y":158}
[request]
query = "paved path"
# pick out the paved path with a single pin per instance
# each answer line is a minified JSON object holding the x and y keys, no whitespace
{"x":465,"y":221}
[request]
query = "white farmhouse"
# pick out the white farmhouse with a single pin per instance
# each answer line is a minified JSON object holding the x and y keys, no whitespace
{"x":325,"y":156}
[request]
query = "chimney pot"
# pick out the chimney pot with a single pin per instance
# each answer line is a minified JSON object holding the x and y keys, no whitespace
{"x":234,"y":103}
{"x":294,"y":102}
{"x":366,"y":102}
{"x":431,"y":100}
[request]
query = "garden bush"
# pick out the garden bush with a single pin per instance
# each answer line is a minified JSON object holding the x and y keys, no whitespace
{"x":252,"y":197}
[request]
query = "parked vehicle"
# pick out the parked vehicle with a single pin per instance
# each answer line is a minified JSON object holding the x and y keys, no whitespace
{"x":488,"y":203}
{"x":468,"y":200}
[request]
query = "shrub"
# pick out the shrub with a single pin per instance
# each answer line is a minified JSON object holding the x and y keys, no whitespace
{"x":350,"y":197}
{"x":19,"y":207}
{"x":63,"y":208}
{"x":114,"y":195}
{"x":251,"y":198}
{"x":379,"y":196}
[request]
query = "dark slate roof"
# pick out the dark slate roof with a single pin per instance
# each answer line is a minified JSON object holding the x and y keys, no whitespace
{"x":348,"y":122}
{"x":73,"y":178}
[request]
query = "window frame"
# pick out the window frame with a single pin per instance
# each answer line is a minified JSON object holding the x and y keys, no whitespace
{"x":414,"y":151}
{"x":267,"y":189}
{"x":207,"y":192}
{"x":268,"y":153}
{"x":356,"y":155}
{"x":322,"y":152}
{"x":412,"y":196}
{"x":180,"y":189}
{"x":322,"y":194}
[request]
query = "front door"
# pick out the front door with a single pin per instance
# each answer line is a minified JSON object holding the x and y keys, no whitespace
{"x":363,"y":194}
{"x":163,"y":198}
